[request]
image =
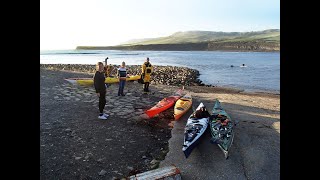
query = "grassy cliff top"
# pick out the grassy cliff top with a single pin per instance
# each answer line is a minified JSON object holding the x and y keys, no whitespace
{"x":270,"y":35}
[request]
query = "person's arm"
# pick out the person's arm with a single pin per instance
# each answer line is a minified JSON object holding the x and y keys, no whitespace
{"x":143,"y":69}
{"x":96,"y":83}
{"x":118,"y":74}
{"x":127,"y":74}
{"x":106,"y":70}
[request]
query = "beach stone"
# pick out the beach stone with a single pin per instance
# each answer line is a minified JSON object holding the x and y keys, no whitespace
{"x":110,"y":100}
{"x":120,"y":114}
{"x":154,"y":166}
{"x":64,"y":91}
{"x":171,"y":124}
{"x":115,"y":110}
{"x":102,"y":172}
{"x":138,"y":113}
{"x":128,"y":111}
{"x":154,"y":161}
{"x":144,"y":116}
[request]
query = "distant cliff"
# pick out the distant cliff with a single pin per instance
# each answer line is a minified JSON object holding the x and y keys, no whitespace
{"x":210,"y":46}
{"x":244,"y":46}
{"x":268,"y":40}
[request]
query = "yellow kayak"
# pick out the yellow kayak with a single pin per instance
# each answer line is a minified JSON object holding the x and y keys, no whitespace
{"x":182,"y":106}
{"x":109,"y":80}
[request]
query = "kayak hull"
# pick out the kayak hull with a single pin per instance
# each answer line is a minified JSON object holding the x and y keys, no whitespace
{"x":221,"y":129}
{"x":164,"y":104}
{"x":109,"y":80}
{"x":194,"y":130}
{"x":182,"y":106}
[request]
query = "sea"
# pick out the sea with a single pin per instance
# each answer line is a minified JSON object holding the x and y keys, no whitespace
{"x":248,"y":71}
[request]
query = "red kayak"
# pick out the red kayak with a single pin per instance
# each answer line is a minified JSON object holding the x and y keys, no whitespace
{"x":164,"y":104}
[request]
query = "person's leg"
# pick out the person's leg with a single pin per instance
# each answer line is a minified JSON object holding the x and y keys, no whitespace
{"x":119,"y":91}
{"x":144,"y":87}
{"x":122,"y":87}
{"x":147,"y":81}
{"x":102,"y":102}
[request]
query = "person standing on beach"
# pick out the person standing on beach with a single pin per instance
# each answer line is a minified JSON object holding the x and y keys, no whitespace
{"x":122,"y":75}
{"x":107,"y":68}
{"x":100,"y":87}
{"x":146,"y":69}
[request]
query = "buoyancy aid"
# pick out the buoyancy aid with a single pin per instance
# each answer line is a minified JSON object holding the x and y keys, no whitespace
{"x":147,"y":68}
{"x":108,"y":69}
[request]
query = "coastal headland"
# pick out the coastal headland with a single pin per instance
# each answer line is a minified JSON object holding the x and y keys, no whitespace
{"x":255,"y":46}
{"x":258,"y":41}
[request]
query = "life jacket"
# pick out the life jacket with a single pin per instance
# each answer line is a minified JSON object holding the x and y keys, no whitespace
{"x":108,"y":70}
{"x":225,"y":122}
{"x":222,"y":119}
{"x":201,"y":113}
{"x":148,"y":68}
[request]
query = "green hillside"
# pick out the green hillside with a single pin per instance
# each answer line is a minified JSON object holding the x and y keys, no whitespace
{"x":271,"y":35}
{"x":268,"y":40}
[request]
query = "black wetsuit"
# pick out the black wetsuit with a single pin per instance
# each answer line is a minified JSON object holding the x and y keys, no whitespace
{"x":100,"y":87}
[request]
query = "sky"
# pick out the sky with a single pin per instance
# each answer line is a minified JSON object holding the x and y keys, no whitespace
{"x":66,"y":24}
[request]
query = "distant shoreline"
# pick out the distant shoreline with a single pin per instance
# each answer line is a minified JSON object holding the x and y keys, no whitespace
{"x":241,"y":46}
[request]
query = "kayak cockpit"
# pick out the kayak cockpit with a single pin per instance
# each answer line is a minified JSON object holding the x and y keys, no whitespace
{"x":191,"y":131}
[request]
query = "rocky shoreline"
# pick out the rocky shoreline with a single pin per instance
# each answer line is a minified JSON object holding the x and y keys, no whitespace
{"x":75,"y":144}
{"x":166,"y":75}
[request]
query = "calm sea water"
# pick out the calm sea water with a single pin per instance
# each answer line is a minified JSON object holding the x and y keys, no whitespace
{"x":260,"y":74}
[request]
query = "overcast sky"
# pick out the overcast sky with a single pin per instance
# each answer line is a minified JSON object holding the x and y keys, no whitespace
{"x":65,"y":24}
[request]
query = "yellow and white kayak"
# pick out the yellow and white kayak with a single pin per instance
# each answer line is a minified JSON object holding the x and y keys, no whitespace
{"x":109,"y":80}
{"x":182,"y":106}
